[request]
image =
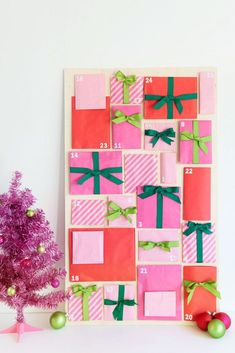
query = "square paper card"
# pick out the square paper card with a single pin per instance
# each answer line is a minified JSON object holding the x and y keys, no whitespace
{"x":88,"y":247}
{"x":160,"y":304}
{"x":90,"y":91}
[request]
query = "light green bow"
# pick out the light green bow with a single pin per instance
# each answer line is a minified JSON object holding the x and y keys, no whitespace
{"x":164,"y":245}
{"x":191,"y":286}
{"x":127,"y":81}
{"x":85,"y":293}
{"x":116,"y":211}
{"x":120,"y":117}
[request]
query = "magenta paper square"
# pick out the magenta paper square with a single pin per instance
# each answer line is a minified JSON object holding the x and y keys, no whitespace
{"x":107,"y":159}
{"x":126,"y":135}
{"x":111,"y":292}
{"x":160,"y":304}
{"x":147,"y":211}
{"x":160,"y":145}
{"x":90,"y":91}
{"x":123,"y":201}
{"x":186,"y":147}
{"x":157,"y":254}
{"x":159,"y":278}
{"x":88,"y":247}
{"x":88,"y":212}
{"x":136,"y":91}
{"x":207,"y":92}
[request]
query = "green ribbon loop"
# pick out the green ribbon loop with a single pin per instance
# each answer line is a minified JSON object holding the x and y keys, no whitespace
{"x":118,"y":310}
{"x":199,"y":228}
{"x":120,"y":117}
{"x":85,"y":293}
{"x":116,"y":211}
{"x":210,"y":286}
{"x":127,"y":82}
{"x":163,"y":135}
{"x":170,"y":99}
{"x":163,"y":245}
{"x":96,"y":173}
{"x":150,"y":190}
{"x":198,"y":142}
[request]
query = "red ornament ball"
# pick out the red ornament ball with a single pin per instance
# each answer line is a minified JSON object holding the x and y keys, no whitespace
{"x":2,"y":239}
{"x":55,"y":283}
{"x":26,"y":263}
{"x":224,"y":318}
{"x":202,"y":320}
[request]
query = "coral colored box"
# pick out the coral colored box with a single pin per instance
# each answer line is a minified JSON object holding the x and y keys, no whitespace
{"x":135,"y":91}
{"x":168,"y":168}
{"x":159,"y":86}
{"x":157,"y":254}
{"x":123,"y":201}
{"x":88,"y":247}
{"x":160,"y":279}
{"x":124,"y":134}
{"x":161,"y":145}
{"x":187,"y":147}
{"x":207,"y":92}
{"x":90,"y":91}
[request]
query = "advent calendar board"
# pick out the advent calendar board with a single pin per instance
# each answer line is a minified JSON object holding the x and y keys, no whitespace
{"x":140,"y":199}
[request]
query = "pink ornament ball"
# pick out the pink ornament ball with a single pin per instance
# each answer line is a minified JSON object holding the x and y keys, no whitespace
{"x":26,"y":263}
{"x":224,"y":318}
{"x":202,"y":320}
{"x":55,"y":283}
{"x":2,"y":239}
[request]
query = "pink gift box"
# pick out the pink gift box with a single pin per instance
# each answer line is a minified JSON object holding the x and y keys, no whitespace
{"x":85,"y":160}
{"x":147,"y":211}
{"x":186,"y":147}
{"x":88,"y":247}
{"x":161,"y":279}
{"x":121,"y":132}
{"x":136,"y":91}
{"x":157,"y":254}
{"x":90,"y":91}
{"x":160,"y":145}
{"x":111,"y":292}
{"x":123,"y":201}
{"x":168,"y":168}
{"x":88,"y":212}
{"x":207,"y":92}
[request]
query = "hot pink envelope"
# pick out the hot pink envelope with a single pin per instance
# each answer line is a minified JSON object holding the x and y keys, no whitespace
{"x":168,"y":168}
{"x":88,"y":247}
{"x":157,"y":254}
{"x":121,"y":132}
{"x":207,"y":92}
{"x":90,"y":91}
{"x":160,"y":304}
{"x":160,"y":145}
{"x":160,"y":279}
{"x":123,"y":201}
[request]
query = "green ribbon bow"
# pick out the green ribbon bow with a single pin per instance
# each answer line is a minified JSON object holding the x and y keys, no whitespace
{"x":199,"y":228}
{"x":191,"y":286}
{"x":170,"y":99}
{"x":164,"y":135}
{"x":96,"y":173}
{"x":127,"y":81}
{"x":120,"y":117}
{"x":85,"y":293}
{"x":150,"y":190}
{"x":198,"y":142}
{"x":116,"y":211}
{"x":164,"y":245}
{"x":118,"y":310}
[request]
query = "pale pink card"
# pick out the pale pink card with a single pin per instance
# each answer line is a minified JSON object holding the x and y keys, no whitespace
{"x":88,"y":247}
{"x":207,"y":92}
{"x":90,"y":91}
{"x":123,"y":201}
{"x":168,"y":168}
{"x":160,"y":304}
{"x":160,"y":145}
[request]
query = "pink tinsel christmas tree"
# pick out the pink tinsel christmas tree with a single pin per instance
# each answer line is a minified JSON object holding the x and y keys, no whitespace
{"x":28,"y":253}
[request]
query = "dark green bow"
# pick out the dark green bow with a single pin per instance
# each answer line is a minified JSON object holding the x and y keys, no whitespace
{"x":127,"y":81}
{"x":164,"y":135}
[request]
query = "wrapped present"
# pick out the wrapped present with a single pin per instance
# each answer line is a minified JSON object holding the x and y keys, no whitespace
{"x":119,"y":302}
{"x":160,"y":136}
{"x":168,"y":168}
{"x":200,"y":290}
{"x":88,"y":212}
{"x":85,"y":303}
{"x":121,"y":211}
{"x":199,"y":244}
{"x":159,"y":292}
{"x":88,"y":247}
{"x":126,"y":89}
{"x":95,"y":172}
{"x":158,"y":207}
{"x":170,"y":98}
{"x":159,"y":245}
{"x":195,"y":142}
{"x":126,"y":122}
{"x":207,"y":92}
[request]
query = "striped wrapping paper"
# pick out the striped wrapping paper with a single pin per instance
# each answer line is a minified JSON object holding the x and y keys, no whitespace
{"x":140,"y":169}
{"x":190,"y":246}
{"x":135,"y":91}
{"x":88,"y":212}
{"x":95,"y":306}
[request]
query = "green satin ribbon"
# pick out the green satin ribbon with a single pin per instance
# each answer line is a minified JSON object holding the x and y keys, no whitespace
{"x":116,"y":211}
{"x":96,"y":173}
{"x":150,"y":190}
{"x":191,"y":286}
{"x":199,"y":228}
{"x":118,"y":310}
{"x":120,"y":117}
{"x":164,"y":245}
{"x":127,"y":82}
{"x":170,"y":99}
{"x":85,"y":293}
{"x":198,"y":142}
{"x":164,"y":135}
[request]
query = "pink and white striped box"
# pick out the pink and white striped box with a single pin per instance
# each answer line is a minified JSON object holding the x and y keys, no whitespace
{"x":88,"y":212}
{"x":136,"y":91}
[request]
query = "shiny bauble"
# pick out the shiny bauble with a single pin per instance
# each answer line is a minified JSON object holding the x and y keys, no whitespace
{"x":2,"y":239}
{"x":41,"y":249}
{"x":55,"y":283}
{"x":216,"y":328}
{"x":58,"y":320}
{"x":30,"y":213}
{"x":202,"y":320}
{"x":11,"y":291}
{"x":26,"y":263}
{"x":224,"y":318}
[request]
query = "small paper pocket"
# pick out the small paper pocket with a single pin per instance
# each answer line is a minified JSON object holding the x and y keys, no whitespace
{"x":160,"y":304}
{"x":168,"y":168}
{"x":88,"y":247}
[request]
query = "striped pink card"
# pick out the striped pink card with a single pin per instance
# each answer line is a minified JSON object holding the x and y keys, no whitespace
{"x":140,"y":169}
{"x":95,"y":306}
{"x":135,"y":91}
{"x":88,"y":212}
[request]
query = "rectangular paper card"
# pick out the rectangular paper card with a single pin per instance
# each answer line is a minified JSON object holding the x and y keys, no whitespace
{"x":90,"y":91}
{"x":207,"y":92}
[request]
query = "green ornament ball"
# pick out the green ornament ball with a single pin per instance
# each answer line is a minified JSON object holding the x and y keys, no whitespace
{"x":58,"y":320}
{"x":30,"y":213}
{"x":11,"y":291}
{"x":216,"y":328}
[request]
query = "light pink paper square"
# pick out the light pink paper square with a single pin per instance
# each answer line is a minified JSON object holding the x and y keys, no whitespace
{"x":123,"y":201}
{"x":88,"y":247}
{"x":90,"y":91}
{"x":160,"y":304}
{"x":207,"y":92}
{"x":160,"y":145}
{"x":168,"y":168}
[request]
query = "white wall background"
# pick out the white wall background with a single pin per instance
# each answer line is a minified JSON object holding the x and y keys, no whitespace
{"x":38,"y":38}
